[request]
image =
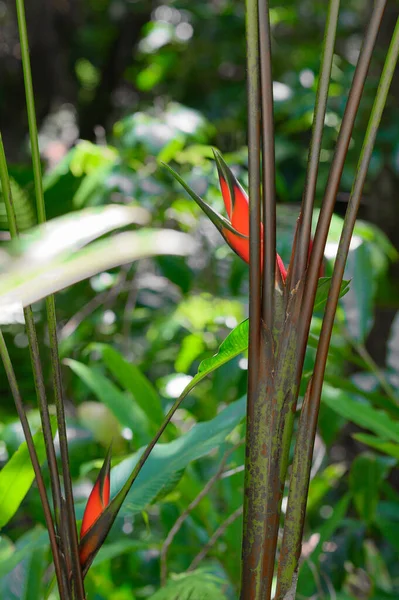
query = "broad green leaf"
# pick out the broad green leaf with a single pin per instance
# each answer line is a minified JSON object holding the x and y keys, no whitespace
{"x":198,"y":584}
{"x":88,"y":157}
{"x":125,"y":409}
{"x":354,"y":388}
{"x":379,"y":444}
{"x":131,"y":378}
{"x":114,"y":549}
{"x":366,"y":474}
{"x":16,"y":477}
{"x":168,"y":459}
{"x":363,"y":415}
{"x":91,"y":184}
{"x":24,"y":283}
{"x":191,"y":347}
{"x":36,"y":565}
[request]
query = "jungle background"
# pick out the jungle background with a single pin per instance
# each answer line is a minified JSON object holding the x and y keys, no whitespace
{"x":121,"y":85}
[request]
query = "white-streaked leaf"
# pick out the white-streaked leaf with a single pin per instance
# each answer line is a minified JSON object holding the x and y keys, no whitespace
{"x":70,"y":232}
{"x":25,"y":285}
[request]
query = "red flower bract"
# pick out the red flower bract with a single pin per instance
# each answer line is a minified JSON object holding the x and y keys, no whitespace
{"x":237,"y":207}
{"x":99,"y":497}
{"x":234,"y":229}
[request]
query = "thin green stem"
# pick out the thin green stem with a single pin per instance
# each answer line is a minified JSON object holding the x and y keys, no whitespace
{"x":351,"y":214}
{"x":34,"y":353}
{"x":40,"y":391}
{"x":251,"y":548}
{"x":299,"y":484}
{"x":5,"y":357}
{"x":62,"y":434}
{"x":50,"y":306}
{"x":301,"y":248}
{"x":268,"y":166}
{"x":335,"y":173}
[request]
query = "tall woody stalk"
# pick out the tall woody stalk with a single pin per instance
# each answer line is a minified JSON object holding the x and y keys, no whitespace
{"x":255,"y":482}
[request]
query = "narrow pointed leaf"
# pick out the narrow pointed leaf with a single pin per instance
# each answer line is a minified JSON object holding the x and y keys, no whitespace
{"x":217,"y":219}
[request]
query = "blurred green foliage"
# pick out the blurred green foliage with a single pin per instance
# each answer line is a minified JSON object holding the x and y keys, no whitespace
{"x":132,"y":337}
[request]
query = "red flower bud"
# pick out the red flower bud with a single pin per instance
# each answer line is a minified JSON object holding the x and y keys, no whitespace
{"x":237,"y":207}
{"x":99,"y":497}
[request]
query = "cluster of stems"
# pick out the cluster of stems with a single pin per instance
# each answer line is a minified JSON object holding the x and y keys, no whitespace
{"x":280,"y":314}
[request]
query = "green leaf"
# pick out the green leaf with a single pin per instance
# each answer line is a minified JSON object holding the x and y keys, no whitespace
{"x":363,"y":415}
{"x":29,"y":279}
{"x":322,"y":483}
{"x":110,"y":551}
{"x":379,"y":444}
{"x":34,"y":577}
{"x":378,"y":400}
{"x":131,"y":378}
{"x":17,"y":476}
{"x":168,"y":459}
{"x":218,"y":220}
{"x":235,"y":343}
{"x":94,"y":538}
{"x":323,"y":288}
{"x":198,"y":584}
{"x":366,"y":474}
{"x":125,"y":409}
{"x":306,"y":577}
{"x":390,"y":530}
{"x":31,"y":542}
{"x":24,"y":212}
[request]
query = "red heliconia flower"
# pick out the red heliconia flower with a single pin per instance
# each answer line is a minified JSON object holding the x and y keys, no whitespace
{"x":237,"y":207}
{"x":97,"y":502}
{"x":235,"y":229}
